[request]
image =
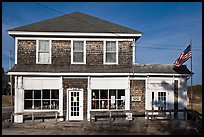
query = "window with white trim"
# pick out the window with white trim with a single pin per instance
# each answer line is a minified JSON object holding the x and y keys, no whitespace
{"x":110,"y":52}
{"x":44,"y":56}
{"x":112,"y":99}
{"x":78,"y":52}
{"x":44,"y":99}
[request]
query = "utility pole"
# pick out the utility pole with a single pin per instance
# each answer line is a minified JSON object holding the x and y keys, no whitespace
{"x":11,"y":83}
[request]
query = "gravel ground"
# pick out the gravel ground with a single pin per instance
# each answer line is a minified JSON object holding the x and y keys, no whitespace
{"x":153,"y":129}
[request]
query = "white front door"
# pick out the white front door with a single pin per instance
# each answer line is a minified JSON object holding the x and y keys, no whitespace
{"x":75,"y":101}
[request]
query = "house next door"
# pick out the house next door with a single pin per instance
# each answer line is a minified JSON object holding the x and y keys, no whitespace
{"x":75,"y":101}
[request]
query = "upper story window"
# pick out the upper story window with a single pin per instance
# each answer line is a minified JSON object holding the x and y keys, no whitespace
{"x":111,"y":52}
{"x":78,"y":52}
{"x":44,"y":52}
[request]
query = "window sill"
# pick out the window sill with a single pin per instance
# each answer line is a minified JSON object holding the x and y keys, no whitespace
{"x":74,"y":63}
{"x":110,"y":63}
{"x":44,"y":63}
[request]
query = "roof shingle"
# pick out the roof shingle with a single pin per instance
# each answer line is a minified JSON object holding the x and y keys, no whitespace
{"x":78,"y":23}
{"x":150,"y":68}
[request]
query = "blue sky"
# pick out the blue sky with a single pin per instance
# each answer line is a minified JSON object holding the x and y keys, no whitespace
{"x":167,"y":27}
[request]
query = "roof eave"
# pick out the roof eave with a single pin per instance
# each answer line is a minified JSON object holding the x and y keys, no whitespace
{"x":26,"y":33}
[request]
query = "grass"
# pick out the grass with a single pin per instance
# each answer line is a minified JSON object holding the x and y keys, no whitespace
{"x":6,"y":100}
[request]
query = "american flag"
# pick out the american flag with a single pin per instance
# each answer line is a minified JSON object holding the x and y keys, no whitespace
{"x":184,"y":56}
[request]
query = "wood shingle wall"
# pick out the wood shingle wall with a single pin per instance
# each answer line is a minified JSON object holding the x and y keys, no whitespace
{"x":26,"y":52}
{"x":94,"y":52}
{"x":61,"y":52}
{"x":137,"y":88}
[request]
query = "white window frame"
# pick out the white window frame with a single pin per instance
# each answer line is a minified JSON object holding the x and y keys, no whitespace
{"x":84,"y":55}
{"x":37,"y":51}
{"x":104,"y":52}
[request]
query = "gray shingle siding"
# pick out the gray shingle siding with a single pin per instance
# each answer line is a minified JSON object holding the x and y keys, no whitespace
{"x":26,"y":52}
{"x":61,"y":52}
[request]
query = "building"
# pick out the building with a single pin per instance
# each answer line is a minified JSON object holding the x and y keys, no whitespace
{"x":80,"y":65}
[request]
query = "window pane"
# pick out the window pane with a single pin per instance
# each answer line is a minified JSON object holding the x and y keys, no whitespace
{"x":37,"y":94}
{"x":54,"y":94}
{"x":95,"y":94}
{"x":44,"y":45}
{"x":78,"y":57}
{"x":44,"y":51}
{"x":46,"y":94}
{"x":46,"y":104}
{"x":95,"y":104}
{"x":112,"y":97}
{"x":78,"y":46}
{"x":54,"y":104}
{"x":27,"y":104}
{"x":111,"y":46}
{"x":112,"y":104}
{"x":103,"y":104}
{"x":37,"y":104}
{"x":121,"y":94}
{"x":44,"y":57}
{"x":120,"y":104}
{"x":103,"y":94}
{"x":111,"y":57}
{"x":112,"y":92}
{"x":28,"y":94}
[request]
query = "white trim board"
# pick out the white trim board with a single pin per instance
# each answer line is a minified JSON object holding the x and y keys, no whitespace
{"x":72,"y":34}
{"x":93,"y":74}
{"x":16,"y":46}
{"x":88,"y":39}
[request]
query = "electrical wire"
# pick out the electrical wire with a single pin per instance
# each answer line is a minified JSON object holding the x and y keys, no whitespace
{"x":74,"y":17}
{"x":196,"y":49}
{"x":117,"y":34}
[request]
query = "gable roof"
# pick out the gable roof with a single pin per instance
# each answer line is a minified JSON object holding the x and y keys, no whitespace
{"x":138,"y":68}
{"x":76,"y":22}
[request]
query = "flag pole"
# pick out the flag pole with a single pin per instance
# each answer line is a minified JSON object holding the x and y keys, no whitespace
{"x":191,"y":76}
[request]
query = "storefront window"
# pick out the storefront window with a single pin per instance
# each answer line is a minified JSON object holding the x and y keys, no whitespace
{"x":111,"y":99}
{"x":41,"y":99}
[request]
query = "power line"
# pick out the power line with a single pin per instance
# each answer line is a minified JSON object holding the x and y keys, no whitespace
{"x":196,"y":49}
{"x":163,"y":44}
{"x":50,"y":8}
{"x":74,"y":17}
{"x":112,"y":32}
{"x":115,"y":33}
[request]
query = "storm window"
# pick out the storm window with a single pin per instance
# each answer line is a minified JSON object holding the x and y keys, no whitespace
{"x":110,"y":52}
{"x":78,"y":52}
{"x":43,"y":56}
